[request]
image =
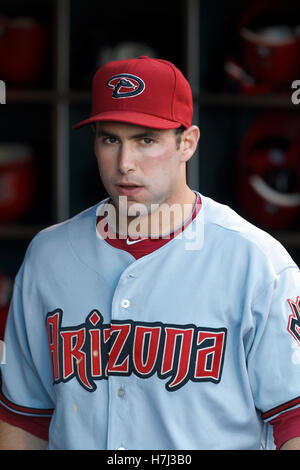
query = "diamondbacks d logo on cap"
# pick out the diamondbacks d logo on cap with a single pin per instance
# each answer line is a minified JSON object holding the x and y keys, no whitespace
{"x":126,"y":85}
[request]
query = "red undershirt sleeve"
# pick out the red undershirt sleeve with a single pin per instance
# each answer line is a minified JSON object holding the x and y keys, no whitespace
{"x":286,"y":426}
{"x":38,"y":426}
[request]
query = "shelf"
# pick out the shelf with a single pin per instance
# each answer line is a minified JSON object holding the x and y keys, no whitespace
{"x":29,"y":96}
{"x":48,"y":96}
{"x":203,"y":98}
{"x":18,"y":232}
{"x":249,"y":101}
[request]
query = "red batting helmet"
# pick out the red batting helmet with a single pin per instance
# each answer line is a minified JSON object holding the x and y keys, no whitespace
{"x":269,"y":34}
{"x":269,"y":170}
{"x":17,"y":180}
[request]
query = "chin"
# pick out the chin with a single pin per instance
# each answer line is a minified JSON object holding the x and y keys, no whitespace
{"x":132,"y":208}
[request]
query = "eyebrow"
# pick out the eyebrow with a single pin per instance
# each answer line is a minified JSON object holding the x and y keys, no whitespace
{"x":140,"y":135}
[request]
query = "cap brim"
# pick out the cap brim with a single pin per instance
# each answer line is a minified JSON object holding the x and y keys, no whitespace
{"x":139,"y":119}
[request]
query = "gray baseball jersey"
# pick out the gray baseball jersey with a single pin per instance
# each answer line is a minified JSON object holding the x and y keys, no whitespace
{"x":194,"y":346}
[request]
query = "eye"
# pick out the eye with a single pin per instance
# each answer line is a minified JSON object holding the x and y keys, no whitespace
{"x":147,"y":141}
{"x":109,"y":140}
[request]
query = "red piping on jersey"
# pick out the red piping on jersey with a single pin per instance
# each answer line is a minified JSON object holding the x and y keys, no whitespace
{"x":279,"y":409}
{"x":24,"y":410}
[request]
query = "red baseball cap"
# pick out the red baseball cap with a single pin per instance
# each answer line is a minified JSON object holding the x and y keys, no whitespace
{"x":144,"y":91}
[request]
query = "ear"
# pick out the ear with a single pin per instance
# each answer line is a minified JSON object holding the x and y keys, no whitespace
{"x":189,"y":142}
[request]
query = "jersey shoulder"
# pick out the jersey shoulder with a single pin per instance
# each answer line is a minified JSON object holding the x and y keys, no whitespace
{"x":58,"y":231}
{"x":52,"y":245}
{"x":223,"y":221}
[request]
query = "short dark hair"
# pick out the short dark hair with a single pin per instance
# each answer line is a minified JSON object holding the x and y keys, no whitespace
{"x":178,"y":133}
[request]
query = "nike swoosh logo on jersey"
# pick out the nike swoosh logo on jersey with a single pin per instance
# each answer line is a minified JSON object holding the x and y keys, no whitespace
{"x":131,"y":242}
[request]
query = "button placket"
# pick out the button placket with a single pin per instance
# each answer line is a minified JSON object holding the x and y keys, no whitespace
{"x":119,"y":414}
{"x":121,"y":392}
{"x":121,"y":303}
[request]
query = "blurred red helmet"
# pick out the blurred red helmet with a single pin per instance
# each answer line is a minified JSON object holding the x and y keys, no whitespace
{"x":269,"y":32}
{"x":17,"y":180}
{"x":269,"y":171}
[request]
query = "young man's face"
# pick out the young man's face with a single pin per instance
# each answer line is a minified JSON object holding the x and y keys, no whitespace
{"x":145,"y":165}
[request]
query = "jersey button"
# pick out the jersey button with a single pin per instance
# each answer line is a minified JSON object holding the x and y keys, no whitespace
{"x":121,"y":392}
{"x":125,"y":303}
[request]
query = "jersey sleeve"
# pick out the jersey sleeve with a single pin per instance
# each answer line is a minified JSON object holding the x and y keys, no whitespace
{"x":26,"y":384}
{"x":274,"y":357}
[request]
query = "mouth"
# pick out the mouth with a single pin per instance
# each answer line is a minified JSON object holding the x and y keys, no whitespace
{"x":127,"y":189}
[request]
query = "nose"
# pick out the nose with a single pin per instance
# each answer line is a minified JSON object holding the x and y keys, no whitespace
{"x":127,"y":159}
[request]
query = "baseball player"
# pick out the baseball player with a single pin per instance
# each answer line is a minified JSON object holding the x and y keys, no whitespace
{"x":158,"y":318}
